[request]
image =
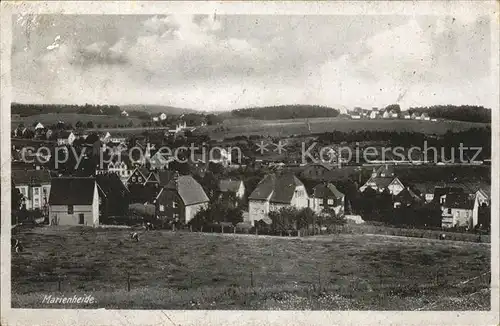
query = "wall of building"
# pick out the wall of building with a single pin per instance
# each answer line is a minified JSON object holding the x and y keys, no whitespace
{"x":257,"y":210}
{"x":59,"y":213}
{"x":191,"y":210}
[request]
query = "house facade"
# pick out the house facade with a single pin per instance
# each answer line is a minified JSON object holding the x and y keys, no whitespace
{"x":327,"y":197}
{"x":316,"y":171}
{"x":383,"y":179}
{"x":65,"y":138}
{"x":74,"y":201}
{"x":34,"y":186}
{"x":180,"y":200}
{"x":114,"y":197}
{"x":234,"y":187}
{"x":275,"y":192}
{"x":457,"y":211}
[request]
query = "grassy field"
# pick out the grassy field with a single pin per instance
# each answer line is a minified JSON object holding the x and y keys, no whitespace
{"x":52,"y":118}
{"x":284,"y":128}
{"x":185,"y":270}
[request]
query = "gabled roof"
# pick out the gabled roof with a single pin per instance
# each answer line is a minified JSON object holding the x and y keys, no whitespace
{"x":457,"y":200}
{"x":439,"y":191}
{"x":229,"y":185}
{"x":386,"y":169}
{"x":325,"y":190}
{"x":26,"y":177}
{"x":382,"y":182}
{"x":111,"y":184}
{"x":190,"y":191}
{"x":278,"y":189}
{"x":72,"y":191}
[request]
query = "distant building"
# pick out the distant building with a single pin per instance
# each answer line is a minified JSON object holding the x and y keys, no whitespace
{"x":316,"y":170}
{"x":163,"y":117}
{"x":114,"y":197}
{"x":65,"y":137}
{"x":425,"y":117}
{"x":374,"y":114}
{"x":34,"y":186}
{"x":74,"y":201}
{"x":180,"y":200}
{"x":407,"y":116}
{"x":457,"y":211}
{"x":355,"y":116}
{"x":275,"y":192}
{"x":386,"y":115}
{"x":124,"y":113}
{"x":383,"y":179}
{"x":234,"y":187}
{"x":39,"y":126}
{"x":327,"y":197}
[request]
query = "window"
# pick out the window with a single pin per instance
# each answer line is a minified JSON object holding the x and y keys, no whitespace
{"x":139,"y":179}
{"x":321,"y":201}
{"x":162,"y":208}
{"x":70,"y":209}
{"x":330,"y":201}
{"x":36,"y":191}
{"x":449,"y":210}
{"x":44,"y":191}
{"x":133,"y":179}
{"x":174,"y":204}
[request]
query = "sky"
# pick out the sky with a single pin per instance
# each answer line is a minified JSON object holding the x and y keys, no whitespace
{"x":227,"y":62}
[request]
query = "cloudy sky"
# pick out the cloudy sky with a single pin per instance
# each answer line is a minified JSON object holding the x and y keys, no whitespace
{"x":226,"y":62}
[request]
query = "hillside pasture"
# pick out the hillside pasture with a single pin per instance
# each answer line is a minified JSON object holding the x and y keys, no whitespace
{"x":285,"y":128}
{"x":183,"y":270}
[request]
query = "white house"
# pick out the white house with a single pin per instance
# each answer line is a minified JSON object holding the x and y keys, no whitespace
{"x":74,"y":201}
{"x":327,"y":197}
{"x":407,"y":116}
{"x":457,"y":211}
{"x":65,"y":137}
{"x":39,"y":126}
{"x":124,"y":113}
{"x":34,"y":186}
{"x":374,"y":114}
{"x":236,"y":187}
{"x":386,"y":115}
{"x":382,"y":179}
{"x":275,"y":192}
{"x":163,"y":116}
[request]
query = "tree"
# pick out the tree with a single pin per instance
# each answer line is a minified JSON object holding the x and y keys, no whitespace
{"x":393,"y":107}
{"x":90,"y":124}
{"x":78,"y":124}
{"x":130,"y":124}
{"x":16,"y":198}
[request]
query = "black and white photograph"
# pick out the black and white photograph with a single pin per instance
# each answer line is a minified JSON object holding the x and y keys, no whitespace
{"x":170,"y":159}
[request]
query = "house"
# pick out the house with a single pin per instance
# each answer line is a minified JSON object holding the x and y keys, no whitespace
{"x":374,"y":114}
{"x":124,"y":113}
{"x":34,"y":186}
{"x":407,"y":116}
{"x":163,"y":116}
{"x":275,"y":192}
{"x":74,"y":201}
{"x":155,"y":119}
{"x":440,"y":193}
{"x":481,"y":202}
{"x":114,"y":197}
{"x":355,"y":116}
{"x":119,"y":165}
{"x":406,"y":197}
{"x":416,"y":116}
{"x":160,"y":161}
{"x":115,"y":148}
{"x":65,"y":137}
{"x":394,"y":115}
{"x":382,"y":179}
{"x":316,"y":170}
{"x":386,"y":115}
{"x":138,"y":176}
{"x":457,"y":211}
{"x":234,"y":187}
{"x":425,"y":116}
{"x":327,"y":197}
{"x":426,"y":191}
{"x":180,"y":200}
{"x":39,"y":126}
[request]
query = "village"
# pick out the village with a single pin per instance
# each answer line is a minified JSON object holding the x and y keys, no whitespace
{"x":112,"y":184}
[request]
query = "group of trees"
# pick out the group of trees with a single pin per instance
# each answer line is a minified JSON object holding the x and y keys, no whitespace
{"x":219,"y":210}
{"x":25,"y":110}
{"x":470,"y":113}
{"x":286,"y":112}
{"x":289,"y":218}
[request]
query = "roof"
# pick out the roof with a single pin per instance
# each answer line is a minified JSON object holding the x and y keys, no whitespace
{"x":72,"y":191}
{"x":460,"y":201}
{"x":188,"y":189}
{"x":26,"y":177}
{"x":111,"y":184}
{"x":64,"y":133}
{"x":229,"y":185}
{"x":164,"y":176}
{"x":386,"y":169}
{"x":439,"y":191}
{"x":278,"y":189}
{"x":327,"y":166}
{"x":382,"y":182}
{"x":323,"y":190}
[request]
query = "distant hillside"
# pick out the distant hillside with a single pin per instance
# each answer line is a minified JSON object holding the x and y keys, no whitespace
{"x":157,"y":109}
{"x":469,"y":113}
{"x":286,"y":112}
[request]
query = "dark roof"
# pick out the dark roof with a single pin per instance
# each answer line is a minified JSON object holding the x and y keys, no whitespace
{"x":64,"y":133}
{"x":457,"y":200}
{"x":165,"y":176}
{"x":439,"y":191}
{"x":229,"y":185}
{"x":325,"y":190}
{"x":25,"y":177}
{"x":72,"y":191}
{"x":111,"y":184}
{"x":279,"y":189}
{"x":387,"y":170}
{"x":188,"y":189}
{"x":382,"y":182}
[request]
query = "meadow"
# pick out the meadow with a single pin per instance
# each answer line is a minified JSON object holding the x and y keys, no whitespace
{"x":184,"y":270}
{"x":289,"y":127}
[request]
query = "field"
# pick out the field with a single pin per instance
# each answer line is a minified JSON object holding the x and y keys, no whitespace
{"x":183,"y":270}
{"x":285,"y":128}
{"x":52,"y":118}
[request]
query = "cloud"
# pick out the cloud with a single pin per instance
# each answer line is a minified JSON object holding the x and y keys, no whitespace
{"x":205,"y":63}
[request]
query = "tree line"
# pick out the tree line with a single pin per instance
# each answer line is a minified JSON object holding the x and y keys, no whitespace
{"x":471,"y":113}
{"x":286,"y":112}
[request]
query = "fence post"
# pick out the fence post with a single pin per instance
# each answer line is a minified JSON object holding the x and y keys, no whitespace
{"x":128,"y":281}
{"x":251,"y":278}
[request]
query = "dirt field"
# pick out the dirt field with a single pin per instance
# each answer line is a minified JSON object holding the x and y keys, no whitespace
{"x":185,"y":270}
